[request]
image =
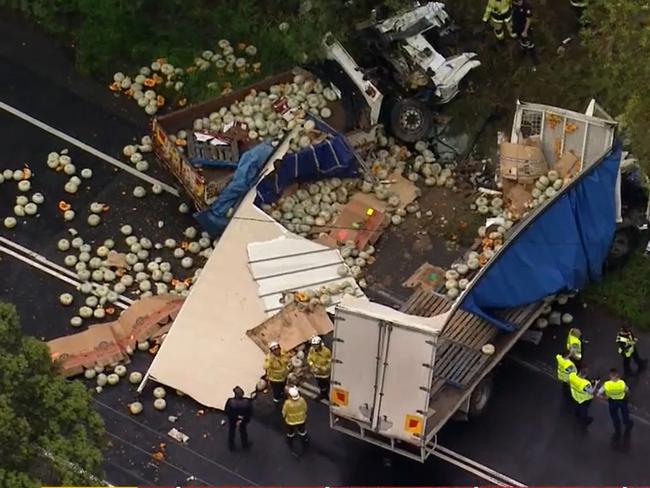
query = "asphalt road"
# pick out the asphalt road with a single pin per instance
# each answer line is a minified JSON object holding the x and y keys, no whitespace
{"x":527,"y":431}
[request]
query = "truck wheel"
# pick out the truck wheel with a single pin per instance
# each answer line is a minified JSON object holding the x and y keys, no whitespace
{"x":410,"y":120}
{"x":480,"y":397}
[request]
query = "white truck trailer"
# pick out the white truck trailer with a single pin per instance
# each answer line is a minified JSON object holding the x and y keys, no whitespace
{"x":396,"y":378}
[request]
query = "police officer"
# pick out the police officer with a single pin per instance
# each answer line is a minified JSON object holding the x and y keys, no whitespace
{"x":239,"y":410}
{"x":582,"y":392}
{"x":574,"y":345}
{"x":564,"y":368}
{"x":522,"y":16}
{"x":276,"y":365}
{"x":319,"y":360}
{"x":294,"y":413}
{"x":626,"y":341}
{"x":616,"y":391}
{"x":499,"y":12}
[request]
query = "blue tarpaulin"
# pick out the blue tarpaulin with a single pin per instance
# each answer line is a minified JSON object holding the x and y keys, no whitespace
{"x":330,"y":158}
{"x":214,"y":220}
{"x":560,"y":249}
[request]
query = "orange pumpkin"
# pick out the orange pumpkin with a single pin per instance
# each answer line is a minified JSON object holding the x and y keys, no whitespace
{"x":64,"y":206}
{"x":149,"y":82}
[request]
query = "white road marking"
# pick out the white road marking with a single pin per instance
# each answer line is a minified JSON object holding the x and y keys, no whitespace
{"x":43,"y":264}
{"x":475,"y":467}
{"x":89,"y":149}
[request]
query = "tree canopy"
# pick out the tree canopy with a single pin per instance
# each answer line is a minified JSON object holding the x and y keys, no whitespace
{"x":48,"y":428}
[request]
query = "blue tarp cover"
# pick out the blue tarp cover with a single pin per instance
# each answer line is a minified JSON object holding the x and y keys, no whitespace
{"x":561,"y":249}
{"x":214,"y":220}
{"x":330,"y":158}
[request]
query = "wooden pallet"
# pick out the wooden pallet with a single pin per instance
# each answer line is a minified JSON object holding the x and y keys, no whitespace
{"x":426,"y":303}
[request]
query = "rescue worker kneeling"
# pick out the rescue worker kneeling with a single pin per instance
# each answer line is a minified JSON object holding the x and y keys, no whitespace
{"x":294,"y":413}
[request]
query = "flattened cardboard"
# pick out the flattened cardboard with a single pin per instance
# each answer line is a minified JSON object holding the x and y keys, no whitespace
{"x":568,"y":165}
{"x":516,"y":195}
{"x":427,"y":276}
{"x":106,"y":344}
{"x":291,"y":327}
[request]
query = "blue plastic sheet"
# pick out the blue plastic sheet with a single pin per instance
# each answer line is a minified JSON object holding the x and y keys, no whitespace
{"x":560,"y":249}
{"x":330,"y":158}
{"x":214,"y":219}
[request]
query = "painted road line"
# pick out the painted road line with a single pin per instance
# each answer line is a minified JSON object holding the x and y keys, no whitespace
{"x":46,"y":262}
{"x":89,"y":149}
{"x":475,"y":471}
{"x":56,"y":267}
{"x":477,"y":468}
{"x":50,"y":271}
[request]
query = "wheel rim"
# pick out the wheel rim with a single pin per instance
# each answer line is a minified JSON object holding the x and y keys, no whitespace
{"x":481,"y":398}
{"x":411,"y":119}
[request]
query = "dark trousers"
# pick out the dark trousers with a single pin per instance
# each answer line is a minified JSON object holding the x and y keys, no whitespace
{"x":619,"y":413}
{"x":299,"y":429}
{"x":277,"y":389}
{"x":627,"y":362}
{"x":528,"y":47}
{"x":582,"y":412}
{"x":323,"y":386}
{"x":243,"y":432}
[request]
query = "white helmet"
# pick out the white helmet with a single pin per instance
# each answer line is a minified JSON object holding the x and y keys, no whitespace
{"x":274,"y":345}
{"x":316,"y":340}
{"x":294,"y":394}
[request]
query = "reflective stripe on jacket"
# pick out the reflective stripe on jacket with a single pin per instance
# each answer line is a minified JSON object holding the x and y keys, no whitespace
{"x":498,"y":10}
{"x":579,"y":3}
{"x":625,"y":345}
{"x":294,"y":412}
{"x":564,"y":368}
{"x":581,"y":389}
{"x":277,"y":367}
{"x":320,"y":361}
{"x":614,"y":390}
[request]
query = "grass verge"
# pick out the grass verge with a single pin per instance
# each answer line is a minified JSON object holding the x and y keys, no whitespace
{"x":626,"y":291}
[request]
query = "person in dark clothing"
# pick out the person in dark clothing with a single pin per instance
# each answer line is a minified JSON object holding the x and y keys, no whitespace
{"x":239,"y":411}
{"x":627,"y":348}
{"x":522,"y":17}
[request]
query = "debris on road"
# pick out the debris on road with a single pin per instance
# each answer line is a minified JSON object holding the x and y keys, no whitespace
{"x":178,"y":435}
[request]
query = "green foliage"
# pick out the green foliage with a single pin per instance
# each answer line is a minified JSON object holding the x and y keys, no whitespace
{"x":617,"y":42}
{"x":626,"y":292}
{"x":46,"y":422}
{"x":122,"y":35}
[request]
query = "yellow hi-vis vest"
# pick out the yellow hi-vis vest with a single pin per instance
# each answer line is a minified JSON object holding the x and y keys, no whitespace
{"x":574,"y":344}
{"x":578,"y":386}
{"x":497,"y":8}
{"x":614,"y":390}
{"x":294,"y":412}
{"x":277,"y":367}
{"x":564,"y":368}
{"x":320,"y":361}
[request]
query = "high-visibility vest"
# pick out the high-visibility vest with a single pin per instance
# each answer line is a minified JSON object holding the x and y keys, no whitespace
{"x":320,"y":361}
{"x":277,"y":367}
{"x":614,"y":390}
{"x":574,"y":344}
{"x":564,"y":368}
{"x":625,"y":345}
{"x":578,"y":385}
{"x":497,"y":8}
{"x":294,"y":412}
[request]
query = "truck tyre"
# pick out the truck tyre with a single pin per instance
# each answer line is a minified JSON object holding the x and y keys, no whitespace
{"x":411,"y":120}
{"x":480,"y":397}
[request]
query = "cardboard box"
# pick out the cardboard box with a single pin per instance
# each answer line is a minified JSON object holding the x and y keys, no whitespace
{"x":568,"y":165}
{"x":427,"y":276}
{"x":522,"y":162}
